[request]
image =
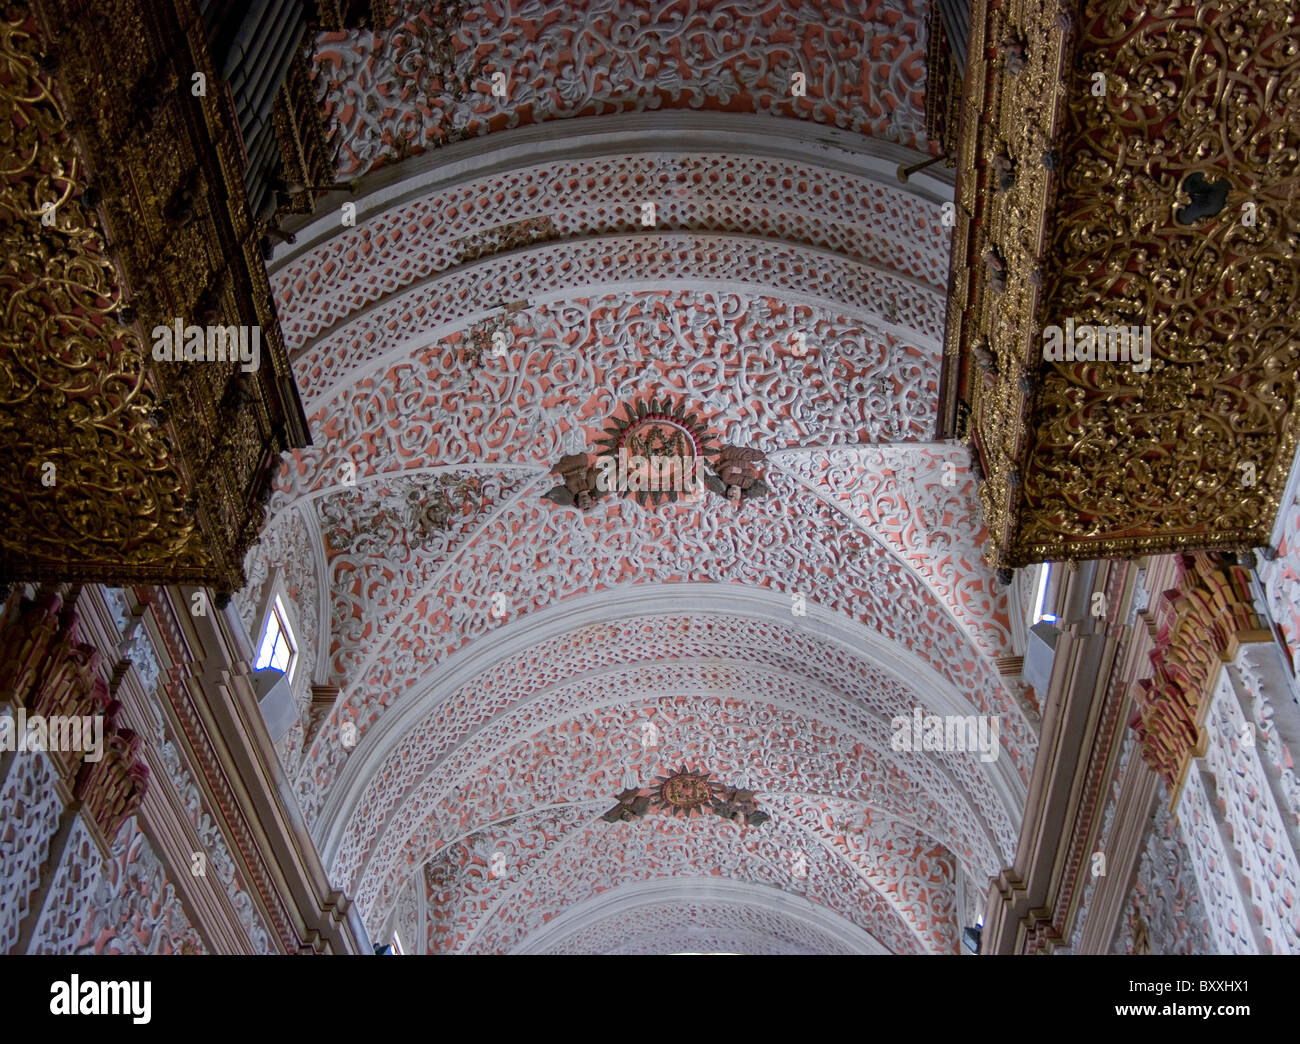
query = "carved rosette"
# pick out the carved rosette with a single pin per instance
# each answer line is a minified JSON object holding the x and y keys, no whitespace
{"x":656,"y":434}
{"x":685,"y":792}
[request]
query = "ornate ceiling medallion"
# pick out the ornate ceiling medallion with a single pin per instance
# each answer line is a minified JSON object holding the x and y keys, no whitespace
{"x":683,"y":793}
{"x":655,"y":452}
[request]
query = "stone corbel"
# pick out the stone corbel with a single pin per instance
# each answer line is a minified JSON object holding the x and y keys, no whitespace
{"x":111,"y":789}
{"x":1200,"y":624}
{"x":25,"y":639}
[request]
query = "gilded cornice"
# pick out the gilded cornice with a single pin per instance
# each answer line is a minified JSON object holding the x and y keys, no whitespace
{"x":1067,"y":204}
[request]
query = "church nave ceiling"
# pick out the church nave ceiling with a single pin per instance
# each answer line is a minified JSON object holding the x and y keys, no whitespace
{"x":478,"y":308}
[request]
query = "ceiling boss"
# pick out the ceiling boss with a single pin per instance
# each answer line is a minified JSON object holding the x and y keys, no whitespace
{"x":656,"y":452}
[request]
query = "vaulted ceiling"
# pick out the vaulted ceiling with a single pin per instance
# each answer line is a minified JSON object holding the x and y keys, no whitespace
{"x":496,"y":674}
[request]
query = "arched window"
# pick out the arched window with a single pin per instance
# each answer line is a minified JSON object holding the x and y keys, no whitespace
{"x":277,"y":647}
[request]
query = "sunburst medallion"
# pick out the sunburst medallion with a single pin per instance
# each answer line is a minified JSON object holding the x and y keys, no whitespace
{"x":683,"y":793}
{"x":655,"y":446}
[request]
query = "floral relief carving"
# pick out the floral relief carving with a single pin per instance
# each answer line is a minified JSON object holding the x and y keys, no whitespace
{"x":72,"y":893}
{"x":797,"y":309}
{"x":1226,"y":921}
{"x":921,"y":501}
{"x":771,"y":372}
{"x":1281,"y":578}
{"x":374,"y":559}
{"x":1166,"y":894}
{"x":134,"y":909}
{"x":490,"y":895}
{"x":556,"y":665}
{"x":1264,"y":858}
{"x":349,"y":352}
{"x":874,"y":223}
{"x":29,"y":816}
{"x":594,"y":753}
{"x":427,"y":80}
{"x":790,"y":542}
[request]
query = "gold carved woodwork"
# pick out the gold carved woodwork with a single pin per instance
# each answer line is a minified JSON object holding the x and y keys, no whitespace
{"x":942,"y":86}
{"x":1199,"y":626}
{"x":333,"y":15}
{"x":305,"y":155}
{"x":74,"y":405}
{"x":120,"y":468}
{"x":1067,"y":204}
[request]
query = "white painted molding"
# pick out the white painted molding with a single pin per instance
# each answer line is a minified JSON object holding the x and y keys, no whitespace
{"x":672,"y":132}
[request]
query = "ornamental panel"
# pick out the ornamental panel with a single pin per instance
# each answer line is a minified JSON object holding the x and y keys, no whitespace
{"x":538,"y":554}
{"x":1133,"y":176}
{"x":572,"y":748}
{"x":876,"y":224}
{"x":122,"y":212}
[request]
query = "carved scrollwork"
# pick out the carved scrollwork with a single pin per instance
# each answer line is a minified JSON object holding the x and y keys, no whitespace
{"x":87,"y":470}
{"x":100,"y":484}
{"x":624,"y":58}
{"x":1172,"y":210}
